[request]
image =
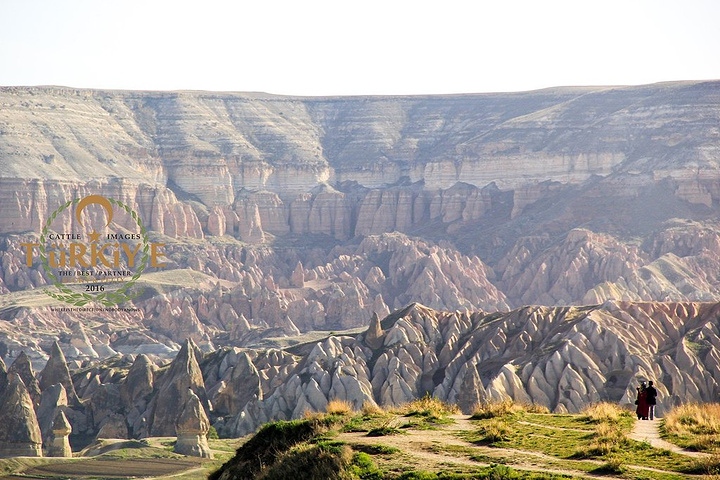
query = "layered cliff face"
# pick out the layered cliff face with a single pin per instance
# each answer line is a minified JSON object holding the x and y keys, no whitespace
{"x":212,"y":147}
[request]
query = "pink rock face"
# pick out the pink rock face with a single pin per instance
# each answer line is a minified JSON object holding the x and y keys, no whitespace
{"x":27,"y":204}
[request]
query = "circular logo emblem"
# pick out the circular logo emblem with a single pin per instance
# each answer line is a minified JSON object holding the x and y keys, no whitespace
{"x":94,"y":249}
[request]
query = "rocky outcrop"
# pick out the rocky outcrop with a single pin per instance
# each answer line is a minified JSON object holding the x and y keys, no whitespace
{"x":139,"y":382}
{"x":20,"y":435}
{"x":3,"y":376}
{"x":24,"y":369}
{"x":56,"y":372}
{"x":113,"y":426}
{"x":374,"y":336}
{"x":53,"y":399}
{"x":560,"y":357}
{"x":61,"y":430}
{"x":171,"y":391}
{"x":192,"y":428}
{"x":53,"y":402}
{"x":240,"y":384}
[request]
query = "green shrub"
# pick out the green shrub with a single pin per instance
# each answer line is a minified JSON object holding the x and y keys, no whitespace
{"x":268,"y":444}
{"x":363,"y":467}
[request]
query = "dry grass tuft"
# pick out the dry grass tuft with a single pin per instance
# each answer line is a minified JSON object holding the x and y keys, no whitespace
{"x":609,"y":436}
{"x":496,"y":430}
{"x":693,"y":418}
{"x":339,"y":407}
{"x":312,"y":415}
{"x":604,"y":412}
{"x":697,"y":426}
{"x":372,"y":409}
{"x":608,"y":439}
{"x":708,"y":466}
{"x":429,"y":406}
{"x":536,"y":408}
{"x":496,"y":409}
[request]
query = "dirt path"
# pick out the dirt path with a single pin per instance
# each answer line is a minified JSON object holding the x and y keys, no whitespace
{"x":648,"y":431}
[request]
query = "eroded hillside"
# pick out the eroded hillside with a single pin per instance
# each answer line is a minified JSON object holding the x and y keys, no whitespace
{"x":284,"y":216}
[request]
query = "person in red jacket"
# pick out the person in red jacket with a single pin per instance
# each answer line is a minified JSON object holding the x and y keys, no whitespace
{"x":641,"y":402}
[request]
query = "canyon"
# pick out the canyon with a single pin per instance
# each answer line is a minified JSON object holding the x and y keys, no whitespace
{"x":552,"y":247}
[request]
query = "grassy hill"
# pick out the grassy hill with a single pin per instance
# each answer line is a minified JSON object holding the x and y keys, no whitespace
{"x":429,"y":440}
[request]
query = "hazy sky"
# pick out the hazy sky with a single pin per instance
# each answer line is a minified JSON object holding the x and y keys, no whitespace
{"x":342,"y":47}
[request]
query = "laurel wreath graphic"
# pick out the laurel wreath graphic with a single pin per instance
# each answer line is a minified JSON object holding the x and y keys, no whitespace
{"x":109,"y":299}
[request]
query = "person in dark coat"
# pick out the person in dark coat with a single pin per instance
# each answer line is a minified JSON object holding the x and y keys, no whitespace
{"x":641,"y":402}
{"x":651,"y":394}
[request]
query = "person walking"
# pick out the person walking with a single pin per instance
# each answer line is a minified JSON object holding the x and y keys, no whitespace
{"x":641,"y":402}
{"x":651,"y":399}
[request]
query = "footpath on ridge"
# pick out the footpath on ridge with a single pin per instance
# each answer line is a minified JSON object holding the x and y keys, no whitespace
{"x":648,"y":431}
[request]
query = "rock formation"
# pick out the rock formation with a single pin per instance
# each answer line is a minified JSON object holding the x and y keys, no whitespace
{"x":374,"y":334}
{"x":56,"y":371}
{"x":61,"y":430}
{"x":3,"y":376}
{"x":24,"y":369}
{"x":113,"y":426}
{"x":293,"y":215}
{"x":192,"y":428}
{"x":560,"y":357}
{"x":171,"y":391}
{"x":20,"y":435}
{"x":53,"y":401}
{"x":240,"y":385}
{"x":138,"y":383}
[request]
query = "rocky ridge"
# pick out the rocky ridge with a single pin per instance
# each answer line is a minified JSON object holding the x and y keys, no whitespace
{"x":560,"y":357}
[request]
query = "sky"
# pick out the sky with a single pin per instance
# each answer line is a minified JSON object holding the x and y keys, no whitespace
{"x":344,"y":47}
